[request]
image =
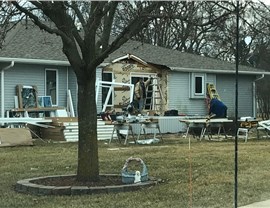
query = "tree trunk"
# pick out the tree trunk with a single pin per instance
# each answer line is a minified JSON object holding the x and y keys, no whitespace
{"x":88,"y":166}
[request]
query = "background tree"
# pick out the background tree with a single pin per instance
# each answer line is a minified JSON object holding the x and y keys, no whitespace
{"x":85,"y":50}
{"x":7,"y":14}
{"x":258,"y":30}
{"x":195,"y":27}
{"x":208,"y":28}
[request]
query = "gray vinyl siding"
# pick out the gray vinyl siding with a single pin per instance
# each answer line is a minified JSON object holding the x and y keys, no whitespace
{"x":72,"y":86}
{"x":226,"y":89}
{"x":178,"y":92}
{"x":179,"y":99}
{"x":23,"y":74}
{"x":211,"y":78}
{"x":62,"y":86}
{"x":178,"y":95}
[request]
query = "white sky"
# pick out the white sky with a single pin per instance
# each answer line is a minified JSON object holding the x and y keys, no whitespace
{"x":266,"y":2}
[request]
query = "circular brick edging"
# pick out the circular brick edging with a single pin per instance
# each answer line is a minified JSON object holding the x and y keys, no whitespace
{"x":29,"y":187}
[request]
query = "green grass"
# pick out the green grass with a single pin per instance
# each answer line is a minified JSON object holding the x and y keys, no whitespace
{"x":212,"y":165}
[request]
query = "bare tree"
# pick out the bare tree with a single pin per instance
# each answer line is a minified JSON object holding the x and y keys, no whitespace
{"x":258,"y":51}
{"x":7,"y":14}
{"x":195,"y":26}
{"x":85,"y":50}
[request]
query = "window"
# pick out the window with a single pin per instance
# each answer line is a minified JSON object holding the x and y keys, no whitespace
{"x":134,"y":80}
{"x":107,"y":76}
{"x":51,"y":84}
{"x":197,"y":85}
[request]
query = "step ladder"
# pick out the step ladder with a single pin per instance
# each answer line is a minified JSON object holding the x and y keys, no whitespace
{"x":212,"y":92}
{"x":154,"y":97}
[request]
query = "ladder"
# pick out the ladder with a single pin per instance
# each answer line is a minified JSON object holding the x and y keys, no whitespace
{"x":212,"y":92}
{"x":154,"y":97}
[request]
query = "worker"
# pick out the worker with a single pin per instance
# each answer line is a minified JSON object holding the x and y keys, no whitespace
{"x":217,"y":109}
{"x":140,"y":92}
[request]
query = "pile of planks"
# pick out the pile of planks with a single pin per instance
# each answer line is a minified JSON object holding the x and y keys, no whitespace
{"x":57,"y":132}
{"x":66,"y":129}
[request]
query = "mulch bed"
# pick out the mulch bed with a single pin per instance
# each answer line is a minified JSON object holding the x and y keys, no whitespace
{"x":72,"y":181}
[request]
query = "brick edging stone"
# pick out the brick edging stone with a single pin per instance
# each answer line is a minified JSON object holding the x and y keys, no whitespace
{"x":28,"y":186}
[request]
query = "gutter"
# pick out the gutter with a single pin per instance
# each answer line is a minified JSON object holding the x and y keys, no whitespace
{"x":41,"y":61}
{"x":182,"y":69}
{"x":254,"y":93}
{"x":3,"y":88}
{"x":35,"y":61}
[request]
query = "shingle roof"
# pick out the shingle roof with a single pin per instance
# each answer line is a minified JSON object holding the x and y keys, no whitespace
{"x":173,"y":58}
{"x":27,"y":41}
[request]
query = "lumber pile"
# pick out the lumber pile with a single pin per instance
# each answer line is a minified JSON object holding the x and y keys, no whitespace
{"x":66,"y":129}
{"x":57,"y":132}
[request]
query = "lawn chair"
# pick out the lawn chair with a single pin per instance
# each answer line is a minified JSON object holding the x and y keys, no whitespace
{"x":265,"y":126}
{"x":246,"y":123}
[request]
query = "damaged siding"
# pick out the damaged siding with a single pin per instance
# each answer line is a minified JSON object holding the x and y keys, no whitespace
{"x":123,"y":71}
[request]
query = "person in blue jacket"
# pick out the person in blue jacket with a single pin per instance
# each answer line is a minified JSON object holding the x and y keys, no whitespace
{"x":217,"y":109}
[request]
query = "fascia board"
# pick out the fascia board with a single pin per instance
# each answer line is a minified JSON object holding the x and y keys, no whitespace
{"x":180,"y":69}
{"x":130,"y":56}
{"x":41,"y":61}
{"x":35,"y":61}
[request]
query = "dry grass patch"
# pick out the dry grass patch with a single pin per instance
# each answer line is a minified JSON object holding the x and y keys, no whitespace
{"x":212,"y":165}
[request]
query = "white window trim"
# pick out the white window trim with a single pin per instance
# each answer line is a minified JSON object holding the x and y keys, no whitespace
{"x":57,"y":83}
{"x":112,"y":104}
{"x":140,"y":74}
{"x":193,"y":94}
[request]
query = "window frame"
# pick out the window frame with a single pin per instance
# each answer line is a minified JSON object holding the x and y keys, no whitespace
{"x":103,"y":90}
{"x":193,"y":87}
{"x":56,"y":85}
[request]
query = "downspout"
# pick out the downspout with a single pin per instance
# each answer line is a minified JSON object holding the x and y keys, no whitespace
{"x":3,"y":88}
{"x":254,"y":95}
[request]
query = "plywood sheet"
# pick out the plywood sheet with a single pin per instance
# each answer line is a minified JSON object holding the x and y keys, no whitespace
{"x":15,"y":137}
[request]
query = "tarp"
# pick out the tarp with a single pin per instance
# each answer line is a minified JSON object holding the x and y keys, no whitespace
{"x":15,"y":137}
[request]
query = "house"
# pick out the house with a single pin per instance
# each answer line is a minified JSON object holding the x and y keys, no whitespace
{"x":32,"y":57}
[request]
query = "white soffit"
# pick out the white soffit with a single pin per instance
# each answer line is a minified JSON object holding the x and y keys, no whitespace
{"x":130,"y":56}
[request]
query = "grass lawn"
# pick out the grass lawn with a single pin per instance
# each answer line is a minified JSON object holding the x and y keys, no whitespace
{"x":212,"y":165}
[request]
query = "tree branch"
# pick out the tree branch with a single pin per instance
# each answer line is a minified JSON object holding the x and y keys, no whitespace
{"x":134,"y":26}
{"x":36,"y":19}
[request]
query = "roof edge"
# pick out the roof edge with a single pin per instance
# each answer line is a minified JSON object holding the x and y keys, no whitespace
{"x":130,"y":56}
{"x":181,"y":69}
{"x":35,"y":61}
